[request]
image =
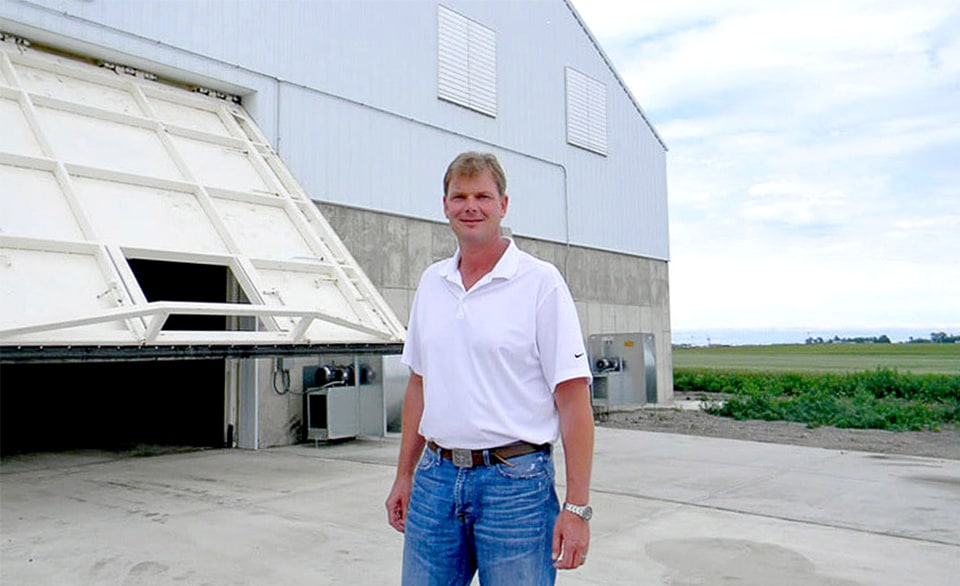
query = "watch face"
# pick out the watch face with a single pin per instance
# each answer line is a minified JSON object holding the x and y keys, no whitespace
{"x":587,"y":513}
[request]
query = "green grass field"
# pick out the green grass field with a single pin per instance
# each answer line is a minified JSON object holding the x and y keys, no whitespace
{"x":837,"y":358}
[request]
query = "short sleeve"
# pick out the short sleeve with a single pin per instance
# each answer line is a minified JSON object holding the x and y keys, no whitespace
{"x":559,"y":338}
{"x":412,"y":355}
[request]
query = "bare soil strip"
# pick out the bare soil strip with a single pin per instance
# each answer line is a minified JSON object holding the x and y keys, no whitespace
{"x":933,"y":444}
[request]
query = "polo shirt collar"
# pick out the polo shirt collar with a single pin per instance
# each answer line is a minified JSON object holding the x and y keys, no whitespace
{"x":505,"y":268}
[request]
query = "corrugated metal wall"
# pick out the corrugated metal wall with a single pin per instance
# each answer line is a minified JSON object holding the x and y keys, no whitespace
{"x":348,"y":93}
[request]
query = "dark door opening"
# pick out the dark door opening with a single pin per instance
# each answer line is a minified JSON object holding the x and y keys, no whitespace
{"x":205,"y":283}
{"x":117,"y":406}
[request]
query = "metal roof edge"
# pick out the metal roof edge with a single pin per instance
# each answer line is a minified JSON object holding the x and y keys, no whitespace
{"x":613,"y":70}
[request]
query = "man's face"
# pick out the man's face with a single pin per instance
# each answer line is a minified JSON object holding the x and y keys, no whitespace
{"x":474,"y":208}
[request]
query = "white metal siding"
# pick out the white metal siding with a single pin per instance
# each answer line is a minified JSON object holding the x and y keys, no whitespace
{"x":351,"y":54}
{"x":400,"y":168}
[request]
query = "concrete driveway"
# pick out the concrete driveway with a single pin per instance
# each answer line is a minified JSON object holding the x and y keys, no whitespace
{"x":670,"y":509}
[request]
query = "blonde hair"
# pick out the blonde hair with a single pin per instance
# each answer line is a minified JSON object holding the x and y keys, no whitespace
{"x":471,"y":164}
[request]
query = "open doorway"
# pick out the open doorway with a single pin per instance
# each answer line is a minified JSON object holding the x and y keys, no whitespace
{"x":163,"y":280}
{"x":116,"y":406}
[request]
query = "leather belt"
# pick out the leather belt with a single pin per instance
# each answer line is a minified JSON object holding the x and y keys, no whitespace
{"x":463,"y":458}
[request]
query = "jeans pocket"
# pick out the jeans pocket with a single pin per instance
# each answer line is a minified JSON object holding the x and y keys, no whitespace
{"x":428,"y":460}
{"x":537,"y":465}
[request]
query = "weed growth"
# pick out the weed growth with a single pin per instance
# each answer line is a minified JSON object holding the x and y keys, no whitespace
{"x":879,"y":399}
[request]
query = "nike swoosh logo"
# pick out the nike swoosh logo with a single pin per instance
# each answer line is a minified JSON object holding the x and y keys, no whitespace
{"x":578,"y":355}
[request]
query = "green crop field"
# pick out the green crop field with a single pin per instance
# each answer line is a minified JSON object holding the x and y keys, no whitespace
{"x":836,"y":358}
{"x":880,"y":386}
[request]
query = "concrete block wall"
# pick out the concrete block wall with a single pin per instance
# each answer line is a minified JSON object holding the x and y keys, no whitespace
{"x":614,"y":293}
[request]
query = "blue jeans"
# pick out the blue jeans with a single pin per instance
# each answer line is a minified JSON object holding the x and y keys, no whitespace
{"x":495,"y":519}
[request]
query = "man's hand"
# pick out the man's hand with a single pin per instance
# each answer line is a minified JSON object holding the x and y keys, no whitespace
{"x":571,"y":540}
{"x":397,"y":503}
{"x":571,"y":534}
{"x":411,"y":447}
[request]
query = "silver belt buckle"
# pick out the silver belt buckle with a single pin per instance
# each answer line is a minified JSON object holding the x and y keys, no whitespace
{"x":462,"y":458}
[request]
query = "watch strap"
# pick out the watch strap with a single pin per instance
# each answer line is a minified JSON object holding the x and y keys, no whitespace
{"x":585,"y":512}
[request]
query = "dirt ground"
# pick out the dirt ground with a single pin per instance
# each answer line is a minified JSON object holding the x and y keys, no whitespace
{"x":942,"y":444}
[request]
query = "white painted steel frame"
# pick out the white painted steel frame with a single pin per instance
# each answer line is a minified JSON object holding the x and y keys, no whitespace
{"x":159,"y":311}
{"x":224,"y":134}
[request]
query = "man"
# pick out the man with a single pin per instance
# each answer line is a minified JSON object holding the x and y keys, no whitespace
{"x":498,"y":374}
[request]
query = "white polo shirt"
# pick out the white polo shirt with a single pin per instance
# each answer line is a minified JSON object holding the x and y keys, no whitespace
{"x":492,"y":356}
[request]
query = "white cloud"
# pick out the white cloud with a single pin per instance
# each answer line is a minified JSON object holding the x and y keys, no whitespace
{"x":791,"y":202}
{"x":673,"y":54}
{"x":814,"y":148}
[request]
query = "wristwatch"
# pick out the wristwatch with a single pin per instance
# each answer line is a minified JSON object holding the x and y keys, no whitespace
{"x":585,"y":512}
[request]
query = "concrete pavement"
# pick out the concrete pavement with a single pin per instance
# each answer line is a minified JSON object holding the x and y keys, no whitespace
{"x":670,"y":509}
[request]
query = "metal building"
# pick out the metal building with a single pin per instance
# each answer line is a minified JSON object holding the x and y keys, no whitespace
{"x":282,"y":163}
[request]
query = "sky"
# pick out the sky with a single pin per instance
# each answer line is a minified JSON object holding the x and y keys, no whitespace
{"x":814,"y":156}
